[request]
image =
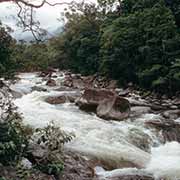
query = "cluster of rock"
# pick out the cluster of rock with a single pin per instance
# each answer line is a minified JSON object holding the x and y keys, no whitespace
{"x":102,"y":96}
{"x":94,"y":81}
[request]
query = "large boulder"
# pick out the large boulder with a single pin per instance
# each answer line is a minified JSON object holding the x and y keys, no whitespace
{"x":115,"y":108}
{"x":91,"y":98}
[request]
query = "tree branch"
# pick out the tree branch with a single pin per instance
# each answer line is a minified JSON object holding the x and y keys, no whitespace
{"x":25,"y":14}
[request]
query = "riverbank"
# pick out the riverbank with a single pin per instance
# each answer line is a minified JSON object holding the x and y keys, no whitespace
{"x":134,"y":147}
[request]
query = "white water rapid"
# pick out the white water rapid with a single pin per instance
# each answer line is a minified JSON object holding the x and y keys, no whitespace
{"x":116,"y":144}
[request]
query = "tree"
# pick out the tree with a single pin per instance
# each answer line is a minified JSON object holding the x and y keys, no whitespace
{"x":79,"y":43}
{"x":6,"y":41}
{"x":141,"y":45}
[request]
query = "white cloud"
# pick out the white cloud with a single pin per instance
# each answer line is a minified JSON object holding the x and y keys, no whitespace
{"x":47,"y":15}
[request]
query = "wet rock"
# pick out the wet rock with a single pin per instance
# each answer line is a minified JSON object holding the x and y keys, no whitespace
{"x":94,"y":81}
{"x":112,"y":84}
{"x":73,"y":97}
{"x":114,"y":108}
{"x":123,"y":93}
{"x":78,"y":83}
{"x":51,"y":82}
{"x":88,"y":81}
{"x":157,"y":107}
{"x":12,"y":173}
{"x":68,"y":82}
{"x":16,"y":94}
{"x":91,"y":98}
{"x":139,"y":110}
{"x":75,"y":81}
{"x":64,"y":88}
{"x":171,"y":114}
{"x":63,"y":98}
{"x":131,"y":177}
{"x":39,"y":88}
{"x":137,"y":102}
{"x":43,"y":74}
{"x":173,"y":107}
{"x":26,"y":164}
{"x":56,"y":100}
{"x":36,"y":151}
{"x":176,"y":102}
{"x":54,"y":75}
{"x":139,"y":139}
{"x":169,"y":129}
{"x":47,"y":73}
{"x":76,"y":168}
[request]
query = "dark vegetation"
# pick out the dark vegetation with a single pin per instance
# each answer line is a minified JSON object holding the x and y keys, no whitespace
{"x":18,"y":141}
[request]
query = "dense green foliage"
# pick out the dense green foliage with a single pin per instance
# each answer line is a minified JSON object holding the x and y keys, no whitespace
{"x":31,"y":57}
{"x":6,"y":65}
{"x":137,"y":43}
{"x":53,"y":139}
{"x":141,"y":47}
{"x":78,"y":47}
{"x":13,"y":138}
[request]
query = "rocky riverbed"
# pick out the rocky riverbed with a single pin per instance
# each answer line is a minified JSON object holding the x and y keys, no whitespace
{"x":119,"y":133}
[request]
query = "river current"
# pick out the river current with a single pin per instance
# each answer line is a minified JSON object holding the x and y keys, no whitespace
{"x":116,"y":144}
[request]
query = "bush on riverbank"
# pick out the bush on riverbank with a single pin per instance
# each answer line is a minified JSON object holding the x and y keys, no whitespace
{"x":19,"y":142}
{"x":6,"y":41}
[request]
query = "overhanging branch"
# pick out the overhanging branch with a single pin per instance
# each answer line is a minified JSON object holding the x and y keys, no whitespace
{"x":25,"y":14}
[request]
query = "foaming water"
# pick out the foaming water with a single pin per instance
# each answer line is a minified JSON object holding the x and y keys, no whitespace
{"x":117,"y":144}
{"x":26,"y":82}
{"x":165,"y":161}
{"x":107,"y":141}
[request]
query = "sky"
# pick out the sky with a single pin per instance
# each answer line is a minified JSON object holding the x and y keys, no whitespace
{"x":47,"y":15}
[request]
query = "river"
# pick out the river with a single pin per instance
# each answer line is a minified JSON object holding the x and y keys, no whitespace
{"x":116,"y":144}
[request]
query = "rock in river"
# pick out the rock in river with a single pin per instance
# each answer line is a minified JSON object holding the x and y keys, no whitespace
{"x":116,"y":108}
{"x":51,"y":82}
{"x":63,"y":98}
{"x":91,"y":98}
{"x":56,"y":100}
